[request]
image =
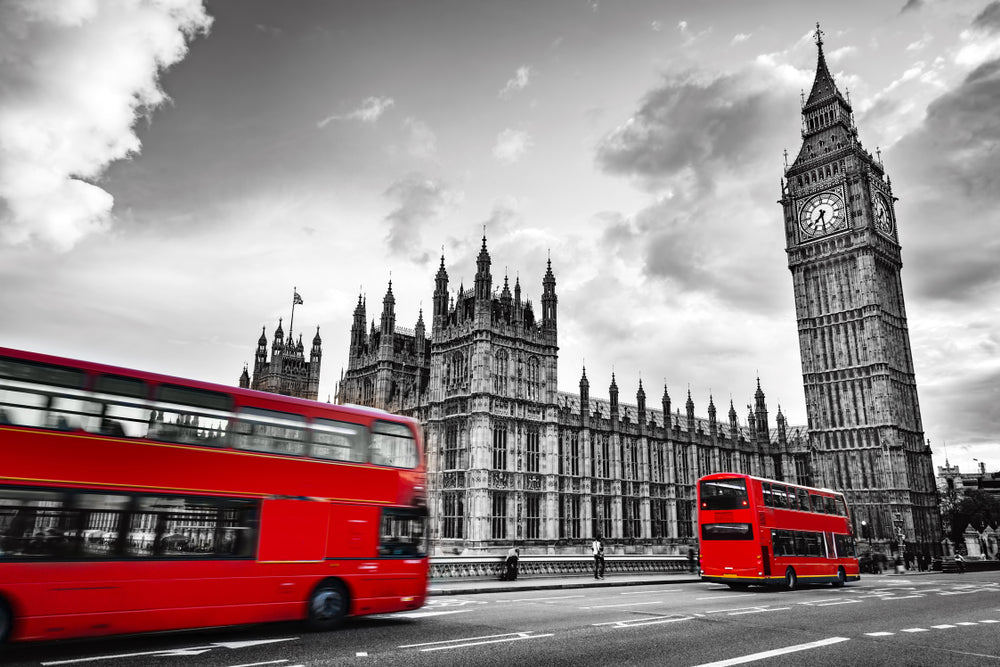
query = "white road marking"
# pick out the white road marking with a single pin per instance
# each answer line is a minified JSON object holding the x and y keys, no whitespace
{"x":717,"y":597}
{"x":421,"y":614}
{"x":989,"y":621}
{"x":193,"y":650}
{"x":673,"y":590}
{"x":965,"y":623}
{"x":943,"y":626}
{"x":758,"y":611}
{"x":257,"y":664}
{"x":624,"y":604}
{"x":830,"y":604}
{"x":905,"y":597}
{"x":880,"y":634}
{"x":361,"y":654}
{"x":560,"y":597}
{"x":637,"y":622}
{"x":726,"y":611}
{"x":475,"y":641}
{"x":778,"y":651}
{"x":914,"y":630}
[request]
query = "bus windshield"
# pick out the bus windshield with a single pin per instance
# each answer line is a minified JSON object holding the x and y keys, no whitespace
{"x":724,"y":494}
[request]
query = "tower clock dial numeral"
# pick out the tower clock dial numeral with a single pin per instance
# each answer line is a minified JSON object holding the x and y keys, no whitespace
{"x":823,"y":214}
{"x":882,"y":214}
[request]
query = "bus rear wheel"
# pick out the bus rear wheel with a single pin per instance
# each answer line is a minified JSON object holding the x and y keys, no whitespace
{"x":841,"y":578}
{"x":790,"y":579}
{"x":327,"y":606}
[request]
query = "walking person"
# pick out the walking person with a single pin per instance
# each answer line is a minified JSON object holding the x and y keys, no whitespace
{"x":510,"y":564}
{"x":598,"y":548}
{"x":960,"y":562}
{"x":691,"y":559}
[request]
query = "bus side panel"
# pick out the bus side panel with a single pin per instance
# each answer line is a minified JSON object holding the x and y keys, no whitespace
{"x":293,"y":530}
{"x":97,"y":598}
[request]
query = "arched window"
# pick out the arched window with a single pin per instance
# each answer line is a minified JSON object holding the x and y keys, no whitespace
{"x":501,"y":369}
{"x":532,"y":379}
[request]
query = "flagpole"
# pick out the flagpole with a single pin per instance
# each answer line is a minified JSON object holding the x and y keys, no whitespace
{"x":292,"y":320}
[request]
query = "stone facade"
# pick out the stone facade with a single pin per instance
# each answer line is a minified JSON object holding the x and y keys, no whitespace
{"x":857,"y":368}
{"x":287,"y":372}
{"x":513,"y":460}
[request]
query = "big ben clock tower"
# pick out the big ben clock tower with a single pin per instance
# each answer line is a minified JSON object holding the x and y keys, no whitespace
{"x":843,"y":251}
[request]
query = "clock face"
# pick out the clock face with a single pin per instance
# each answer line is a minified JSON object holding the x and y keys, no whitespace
{"x":882,"y":214}
{"x":822,"y":214}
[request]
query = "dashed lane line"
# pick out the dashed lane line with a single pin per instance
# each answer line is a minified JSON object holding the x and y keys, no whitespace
{"x":776,"y":652}
{"x":475,"y":641}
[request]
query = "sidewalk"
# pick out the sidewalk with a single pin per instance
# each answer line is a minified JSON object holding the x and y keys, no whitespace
{"x":537,"y":583}
{"x":452,"y":586}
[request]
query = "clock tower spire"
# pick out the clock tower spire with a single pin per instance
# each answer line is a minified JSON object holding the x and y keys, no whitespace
{"x":857,"y":366}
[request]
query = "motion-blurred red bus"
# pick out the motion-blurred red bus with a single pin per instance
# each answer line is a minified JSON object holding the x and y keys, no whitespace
{"x":132,"y":502}
{"x":759,"y":531}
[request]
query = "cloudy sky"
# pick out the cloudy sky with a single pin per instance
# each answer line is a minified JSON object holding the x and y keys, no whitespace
{"x":170,"y":170}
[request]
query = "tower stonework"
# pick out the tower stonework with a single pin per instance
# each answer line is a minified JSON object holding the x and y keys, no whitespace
{"x":843,"y":250}
{"x":287,"y":372}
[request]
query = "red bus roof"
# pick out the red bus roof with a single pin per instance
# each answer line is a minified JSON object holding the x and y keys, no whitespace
{"x":242,"y":396}
{"x":731,"y":475}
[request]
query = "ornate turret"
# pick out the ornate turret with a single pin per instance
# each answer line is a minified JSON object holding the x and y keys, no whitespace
{"x":440,"y":297}
{"x":388,"y":325}
{"x":640,"y":401}
{"x":484,"y":283}
{"x":734,"y":426}
{"x":666,"y":407}
{"x":549,"y":299}
{"x":760,"y":412}
{"x":584,"y":397}
{"x":279,"y":339}
{"x":245,"y":378}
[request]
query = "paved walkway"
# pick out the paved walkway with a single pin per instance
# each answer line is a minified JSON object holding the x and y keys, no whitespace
{"x":455,"y":586}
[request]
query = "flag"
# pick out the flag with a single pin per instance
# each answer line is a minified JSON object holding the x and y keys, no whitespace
{"x":296,"y":299}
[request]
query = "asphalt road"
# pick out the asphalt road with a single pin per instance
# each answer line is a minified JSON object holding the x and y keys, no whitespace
{"x":920,"y":620}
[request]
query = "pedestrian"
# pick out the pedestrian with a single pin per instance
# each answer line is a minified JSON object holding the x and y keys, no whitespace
{"x":598,"y":547}
{"x":691,"y":559}
{"x":960,"y":562}
{"x":510,"y":564}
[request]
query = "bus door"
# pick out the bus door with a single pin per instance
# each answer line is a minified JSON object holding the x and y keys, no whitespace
{"x":765,"y":556}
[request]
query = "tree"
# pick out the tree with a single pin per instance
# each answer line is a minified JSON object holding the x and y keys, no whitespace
{"x":976,"y":508}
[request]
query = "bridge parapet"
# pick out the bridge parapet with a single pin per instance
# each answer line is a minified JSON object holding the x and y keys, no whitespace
{"x":489,"y":567}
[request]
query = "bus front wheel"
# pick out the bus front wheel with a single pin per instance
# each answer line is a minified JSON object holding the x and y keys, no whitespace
{"x":327,"y":605}
{"x":790,"y":579}
{"x":6,"y":621}
{"x":841,"y":578}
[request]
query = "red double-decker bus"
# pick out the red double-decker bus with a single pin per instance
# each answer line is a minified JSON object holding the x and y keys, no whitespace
{"x":759,"y":531}
{"x":132,"y":502}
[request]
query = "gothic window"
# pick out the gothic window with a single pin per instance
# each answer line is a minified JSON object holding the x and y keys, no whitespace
{"x":633,"y":518}
{"x":569,"y":517}
{"x":451,"y":447}
{"x":454,"y":515}
{"x":500,"y":446}
{"x":605,"y":462}
{"x":602,"y":516}
{"x":533,"y":516}
{"x":660,"y":523}
{"x":498,"y":522}
{"x":685,"y":527}
{"x":532,"y":454}
{"x":501,"y":370}
{"x":574,"y":453}
{"x":533,"y":375}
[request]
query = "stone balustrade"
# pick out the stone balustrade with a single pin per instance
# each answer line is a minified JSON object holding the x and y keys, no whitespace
{"x":489,"y":567}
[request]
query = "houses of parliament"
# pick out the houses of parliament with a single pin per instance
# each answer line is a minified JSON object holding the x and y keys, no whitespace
{"x":514,"y":460}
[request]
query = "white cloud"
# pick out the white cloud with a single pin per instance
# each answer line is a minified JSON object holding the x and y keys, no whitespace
{"x":75,"y":76}
{"x":371,"y":110}
{"x":739,"y":38}
{"x":421,"y":141}
{"x":511,"y":145}
{"x":520,"y":81}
